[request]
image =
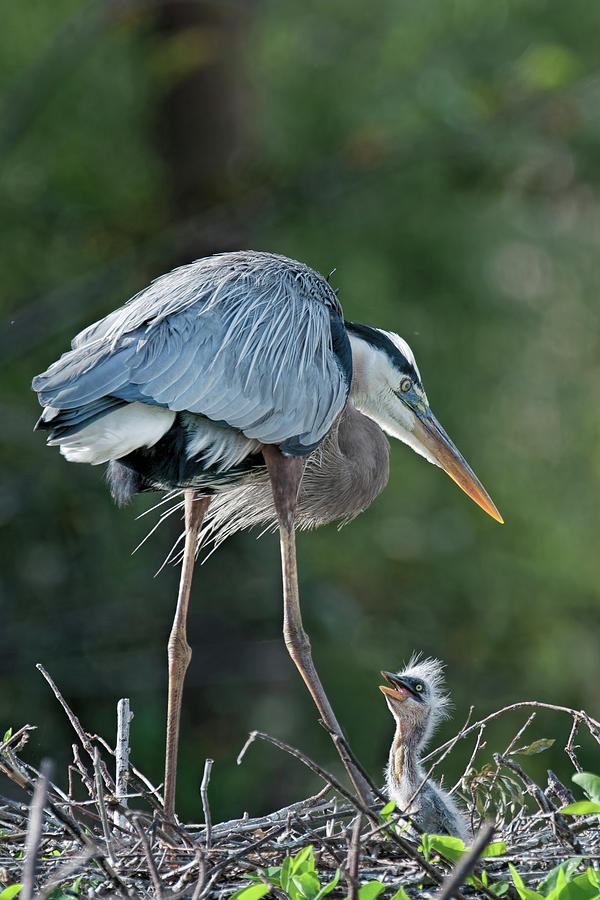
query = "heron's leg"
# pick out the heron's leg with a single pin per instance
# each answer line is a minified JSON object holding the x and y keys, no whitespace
{"x":179,"y":652}
{"x":286,"y":473}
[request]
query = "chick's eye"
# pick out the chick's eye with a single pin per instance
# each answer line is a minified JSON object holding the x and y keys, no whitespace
{"x":418,"y":687}
{"x":406,"y":385}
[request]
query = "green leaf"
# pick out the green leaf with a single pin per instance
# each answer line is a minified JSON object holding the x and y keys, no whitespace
{"x":303,"y":856}
{"x":401,"y":895}
{"x":579,"y":888}
{"x":535,"y":747}
{"x":450,"y":847}
{"x":329,"y":886}
{"x":284,"y":875}
{"x":593,"y":876}
{"x":499,"y":888}
{"x":7,"y":737}
{"x":307,"y":885}
{"x":12,"y":890}
{"x":581,"y":808}
{"x":252,"y":892}
{"x":524,"y":893}
{"x":496,"y":848}
{"x":387,"y":810}
{"x":550,"y":882}
{"x":590,"y":784}
{"x":370,"y":890}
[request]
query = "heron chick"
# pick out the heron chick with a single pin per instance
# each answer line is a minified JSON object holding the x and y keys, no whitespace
{"x":417,"y":701}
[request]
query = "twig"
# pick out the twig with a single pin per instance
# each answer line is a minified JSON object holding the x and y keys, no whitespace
{"x":466,"y":863}
{"x":156,"y":881}
{"x":542,"y":801}
{"x":353,"y":857}
{"x":83,"y":737}
{"x":102,"y":807}
{"x":83,"y":772}
{"x":208,"y":764}
{"x":591,"y":723}
{"x":34,"y":829}
{"x":69,"y":823}
{"x":20,"y":738}
{"x":476,"y":748}
{"x":556,"y":787}
{"x":124,"y":717}
{"x":512,"y":743}
{"x":570,"y":746}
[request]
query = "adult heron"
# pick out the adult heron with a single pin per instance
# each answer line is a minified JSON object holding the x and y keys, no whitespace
{"x":231,"y":378}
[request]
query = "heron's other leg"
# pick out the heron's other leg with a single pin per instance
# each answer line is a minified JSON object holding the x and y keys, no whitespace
{"x":286,"y":473}
{"x":179,"y":652}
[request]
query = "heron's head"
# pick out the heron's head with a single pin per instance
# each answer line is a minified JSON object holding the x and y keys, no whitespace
{"x":386,"y":386}
{"x":416,"y":697}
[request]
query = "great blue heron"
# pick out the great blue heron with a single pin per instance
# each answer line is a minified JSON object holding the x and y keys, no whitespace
{"x":230,"y":378}
{"x":417,"y":702}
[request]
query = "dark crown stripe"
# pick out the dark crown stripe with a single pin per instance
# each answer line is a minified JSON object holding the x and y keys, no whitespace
{"x":377,"y":339}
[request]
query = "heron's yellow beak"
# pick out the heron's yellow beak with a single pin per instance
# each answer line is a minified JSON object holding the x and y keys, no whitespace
{"x":430,"y":433}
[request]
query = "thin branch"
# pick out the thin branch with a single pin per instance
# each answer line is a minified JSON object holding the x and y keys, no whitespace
{"x":156,"y":881}
{"x":102,"y":806}
{"x":124,"y":717}
{"x":34,"y":830}
{"x":466,"y":863}
{"x":208,"y":764}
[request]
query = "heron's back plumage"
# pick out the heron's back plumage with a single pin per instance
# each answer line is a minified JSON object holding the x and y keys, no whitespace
{"x":252,"y":341}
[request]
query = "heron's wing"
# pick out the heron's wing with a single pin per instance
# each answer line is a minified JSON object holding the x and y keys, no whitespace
{"x":249,"y":340}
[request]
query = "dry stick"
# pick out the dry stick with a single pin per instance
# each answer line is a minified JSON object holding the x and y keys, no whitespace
{"x":34,"y":829}
{"x":83,"y":772}
{"x":476,"y":748}
{"x":200,"y":882}
{"x":156,"y":881}
{"x":274,"y":832}
{"x":153,"y":791}
{"x":593,"y":726}
{"x":353,"y":857}
{"x":466,"y":863}
{"x":542,"y":801}
{"x":124,"y":717}
{"x":21,"y":736}
{"x":570,"y":746}
{"x":70,"y":824}
{"x":512,"y":743}
{"x":358,"y":805}
{"x":102,"y":807}
{"x":208,"y":764}
{"x":556,"y":787}
{"x":591,"y":723}
{"x":343,"y":747}
{"x":83,"y":737}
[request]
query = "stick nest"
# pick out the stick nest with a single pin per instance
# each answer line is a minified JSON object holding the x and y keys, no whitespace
{"x":57,"y":846}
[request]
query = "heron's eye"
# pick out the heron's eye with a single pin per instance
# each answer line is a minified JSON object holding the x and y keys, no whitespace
{"x":418,"y":687}
{"x":406,"y":385}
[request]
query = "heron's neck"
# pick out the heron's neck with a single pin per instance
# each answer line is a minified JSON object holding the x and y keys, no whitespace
{"x":346,"y":472}
{"x":404,"y":772}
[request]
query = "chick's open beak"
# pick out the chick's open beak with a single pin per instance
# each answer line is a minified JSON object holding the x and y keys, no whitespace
{"x":398,"y":693}
{"x":430,"y":433}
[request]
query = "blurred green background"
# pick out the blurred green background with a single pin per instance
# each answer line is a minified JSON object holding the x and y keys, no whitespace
{"x":444,"y":156}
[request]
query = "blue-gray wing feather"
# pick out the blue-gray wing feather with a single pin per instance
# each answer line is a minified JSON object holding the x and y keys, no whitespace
{"x":242,"y":338}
